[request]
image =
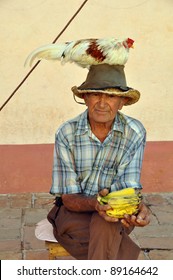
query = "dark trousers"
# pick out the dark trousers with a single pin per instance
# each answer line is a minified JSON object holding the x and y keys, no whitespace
{"x":87,"y":236}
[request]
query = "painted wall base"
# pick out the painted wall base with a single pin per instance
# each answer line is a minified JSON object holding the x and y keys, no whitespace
{"x":28,"y":168}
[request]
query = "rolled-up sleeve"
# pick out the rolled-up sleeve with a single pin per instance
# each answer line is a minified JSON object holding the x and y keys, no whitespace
{"x":64,"y":178}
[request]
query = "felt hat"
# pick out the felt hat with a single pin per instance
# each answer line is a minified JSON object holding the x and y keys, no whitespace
{"x":108,"y":79}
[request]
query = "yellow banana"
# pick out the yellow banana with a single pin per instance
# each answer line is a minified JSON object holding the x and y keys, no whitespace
{"x":119,"y":213}
{"x":122,"y":202}
{"x":123,"y":192}
{"x":120,"y":193}
{"x":113,"y":202}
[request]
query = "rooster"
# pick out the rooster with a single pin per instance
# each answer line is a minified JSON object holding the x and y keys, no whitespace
{"x":85,"y":52}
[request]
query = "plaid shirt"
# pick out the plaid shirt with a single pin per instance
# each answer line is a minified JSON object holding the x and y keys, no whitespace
{"x":82,"y":164}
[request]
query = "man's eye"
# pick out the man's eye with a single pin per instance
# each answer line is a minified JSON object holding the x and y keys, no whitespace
{"x":95,"y":94}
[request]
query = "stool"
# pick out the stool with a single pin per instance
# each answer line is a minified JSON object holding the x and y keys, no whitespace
{"x":44,"y":231}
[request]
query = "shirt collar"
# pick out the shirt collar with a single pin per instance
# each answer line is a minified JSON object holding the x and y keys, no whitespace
{"x":119,"y":123}
{"x":83,"y":126}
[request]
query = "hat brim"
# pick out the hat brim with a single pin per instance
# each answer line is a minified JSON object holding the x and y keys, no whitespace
{"x":133,"y":95}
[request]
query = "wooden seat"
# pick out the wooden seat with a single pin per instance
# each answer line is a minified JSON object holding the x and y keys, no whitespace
{"x":44,"y":231}
{"x":55,"y":250}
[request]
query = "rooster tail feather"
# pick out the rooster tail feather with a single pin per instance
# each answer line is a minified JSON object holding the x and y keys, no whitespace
{"x":48,"y":52}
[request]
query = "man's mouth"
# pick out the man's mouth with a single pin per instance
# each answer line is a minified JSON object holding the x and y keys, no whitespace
{"x":101,"y":111}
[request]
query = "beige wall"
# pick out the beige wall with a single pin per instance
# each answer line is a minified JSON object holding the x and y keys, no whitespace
{"x":45,"y":100}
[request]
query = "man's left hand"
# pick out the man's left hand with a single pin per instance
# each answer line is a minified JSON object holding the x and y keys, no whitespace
{"x":140,"y":220}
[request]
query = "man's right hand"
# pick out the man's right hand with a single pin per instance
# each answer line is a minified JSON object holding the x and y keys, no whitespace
{"x":101,"y":209}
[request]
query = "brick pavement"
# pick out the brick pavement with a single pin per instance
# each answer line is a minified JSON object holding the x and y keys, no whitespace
{"x":19,"y":214}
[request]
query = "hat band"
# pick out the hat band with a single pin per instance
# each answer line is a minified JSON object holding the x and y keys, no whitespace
{"x":121,"y":88}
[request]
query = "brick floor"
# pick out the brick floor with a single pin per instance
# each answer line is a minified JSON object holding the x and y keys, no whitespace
{"x":19,"y":214}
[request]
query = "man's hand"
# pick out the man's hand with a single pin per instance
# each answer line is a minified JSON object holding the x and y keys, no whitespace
{"x":140,"y":220}
{"x":101,"y":209}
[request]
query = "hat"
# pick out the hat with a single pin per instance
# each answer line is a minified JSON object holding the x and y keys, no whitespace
{"x":108,"y":79}
{"x":105,"y":58}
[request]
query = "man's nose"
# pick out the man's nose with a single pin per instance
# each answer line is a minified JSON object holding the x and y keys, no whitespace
{"x":102,"y":100}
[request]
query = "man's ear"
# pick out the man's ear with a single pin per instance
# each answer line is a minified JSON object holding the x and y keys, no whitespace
{"x":85,"y":98}
{"x":124,"y":100}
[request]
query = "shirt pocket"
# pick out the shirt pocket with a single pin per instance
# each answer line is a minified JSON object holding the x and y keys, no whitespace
{"x":106,"y":178}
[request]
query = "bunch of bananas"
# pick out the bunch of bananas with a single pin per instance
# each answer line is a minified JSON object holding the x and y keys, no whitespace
{"x":122,"y":202}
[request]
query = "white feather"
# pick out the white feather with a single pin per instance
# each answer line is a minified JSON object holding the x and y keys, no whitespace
{"x":49,"y":52}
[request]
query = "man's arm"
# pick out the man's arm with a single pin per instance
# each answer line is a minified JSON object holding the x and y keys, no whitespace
{"x":79,"y":202}
{"x":82,"y":203}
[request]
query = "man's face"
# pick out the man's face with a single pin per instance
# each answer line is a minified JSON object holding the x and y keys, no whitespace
{"x":102,"y":108}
